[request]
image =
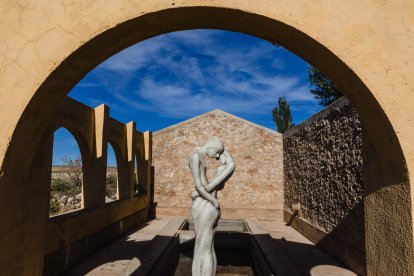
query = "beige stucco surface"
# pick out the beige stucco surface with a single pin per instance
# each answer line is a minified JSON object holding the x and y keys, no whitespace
{"x":366,"y":47}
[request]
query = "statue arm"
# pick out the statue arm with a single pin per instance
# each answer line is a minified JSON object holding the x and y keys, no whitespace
{"x":195,"y":171}
{"x":218,"y":179}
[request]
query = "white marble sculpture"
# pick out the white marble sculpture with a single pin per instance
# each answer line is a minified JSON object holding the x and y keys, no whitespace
{"x":206,"y":208}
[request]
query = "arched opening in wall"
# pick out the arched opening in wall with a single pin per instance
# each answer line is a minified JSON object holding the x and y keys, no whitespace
{"x":67,"y":174}
{"x":139,"y":181}
{"x":111,"y":191}
{"x":163,"y":81}
{"x":387,"y":180}
{"x":230,"y":87}
{"x":136,"y":179}
{"x":241,"y":89}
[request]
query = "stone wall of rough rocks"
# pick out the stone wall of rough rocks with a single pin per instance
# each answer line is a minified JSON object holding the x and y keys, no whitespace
{"x":256,"y":187}
{"x":323,"y":172}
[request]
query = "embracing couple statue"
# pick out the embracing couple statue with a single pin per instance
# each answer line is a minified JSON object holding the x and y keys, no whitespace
{"x":206,"y":208}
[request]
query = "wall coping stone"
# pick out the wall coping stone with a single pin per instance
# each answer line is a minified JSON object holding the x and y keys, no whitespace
{"x":318,"y":116}
{"x":216,"y":112}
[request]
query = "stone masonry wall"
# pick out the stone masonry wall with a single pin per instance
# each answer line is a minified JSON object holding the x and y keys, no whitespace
{"x":256,"y":187}
{"x":323,"y":172}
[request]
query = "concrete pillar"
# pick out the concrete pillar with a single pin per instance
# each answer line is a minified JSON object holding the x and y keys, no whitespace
{"x":94,"y":190}
{"x":130,"y":129}
{"x":148,"y":165}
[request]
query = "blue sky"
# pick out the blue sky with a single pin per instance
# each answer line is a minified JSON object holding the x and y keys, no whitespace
{"x":173,"y":77}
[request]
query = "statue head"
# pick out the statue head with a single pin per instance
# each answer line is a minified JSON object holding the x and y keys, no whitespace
{"x":213,"y":147}
{"x":223,"y":158}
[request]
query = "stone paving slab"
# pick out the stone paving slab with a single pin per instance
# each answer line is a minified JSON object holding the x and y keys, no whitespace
{"x":160,"y":257}
{"x":114,"y":258}
{"x":307,"y":258}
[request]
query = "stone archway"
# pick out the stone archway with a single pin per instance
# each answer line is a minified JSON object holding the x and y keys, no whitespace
{"x":48,"y":48}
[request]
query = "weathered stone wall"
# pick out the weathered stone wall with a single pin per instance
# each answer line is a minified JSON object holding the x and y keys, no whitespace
{"x":323,"y":172}
{"x":256,"y":187}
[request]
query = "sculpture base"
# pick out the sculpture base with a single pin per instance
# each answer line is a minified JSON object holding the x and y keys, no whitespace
{"x":229,"y":262}
{"x":232,"y":246}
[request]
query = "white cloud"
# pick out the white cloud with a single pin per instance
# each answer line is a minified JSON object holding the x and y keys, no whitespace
{"x":134,"y":57}
{"x":198,"y":38}
{"x":187,"y":73}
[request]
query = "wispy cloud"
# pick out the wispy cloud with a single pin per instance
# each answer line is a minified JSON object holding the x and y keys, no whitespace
{"x":187,"y":73}
{"x":133,"y":58}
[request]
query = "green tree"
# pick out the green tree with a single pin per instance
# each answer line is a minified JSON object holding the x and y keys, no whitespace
{"x":282,"y":116}
{"x":325,"y":90}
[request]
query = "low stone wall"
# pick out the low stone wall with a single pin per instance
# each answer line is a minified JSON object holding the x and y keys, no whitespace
{"x":256,"y":187}
{"x":323,"y":173}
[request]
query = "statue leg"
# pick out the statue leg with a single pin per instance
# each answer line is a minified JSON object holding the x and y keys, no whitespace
{"x":204,"y":260}
{"x":196,"y":210}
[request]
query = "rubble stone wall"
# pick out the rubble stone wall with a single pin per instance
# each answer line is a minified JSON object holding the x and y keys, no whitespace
{"x":255,"y":188}
{"x":323,"y":172}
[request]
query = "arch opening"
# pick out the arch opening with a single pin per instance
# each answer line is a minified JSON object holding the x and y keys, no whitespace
{"x":112,"y":175}
{"x":67,"y":174}
{"x":137,"y":178}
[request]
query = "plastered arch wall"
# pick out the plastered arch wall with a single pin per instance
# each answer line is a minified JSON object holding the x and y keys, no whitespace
{"x":69,"y":237}
{"x":366,"y":47}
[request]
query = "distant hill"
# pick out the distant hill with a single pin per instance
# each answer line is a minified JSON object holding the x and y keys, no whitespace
{"x":63,"y":169}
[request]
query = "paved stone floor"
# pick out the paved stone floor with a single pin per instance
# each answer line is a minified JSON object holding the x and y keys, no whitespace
{"x":115,"y":257}
{"x":307,"y":258}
